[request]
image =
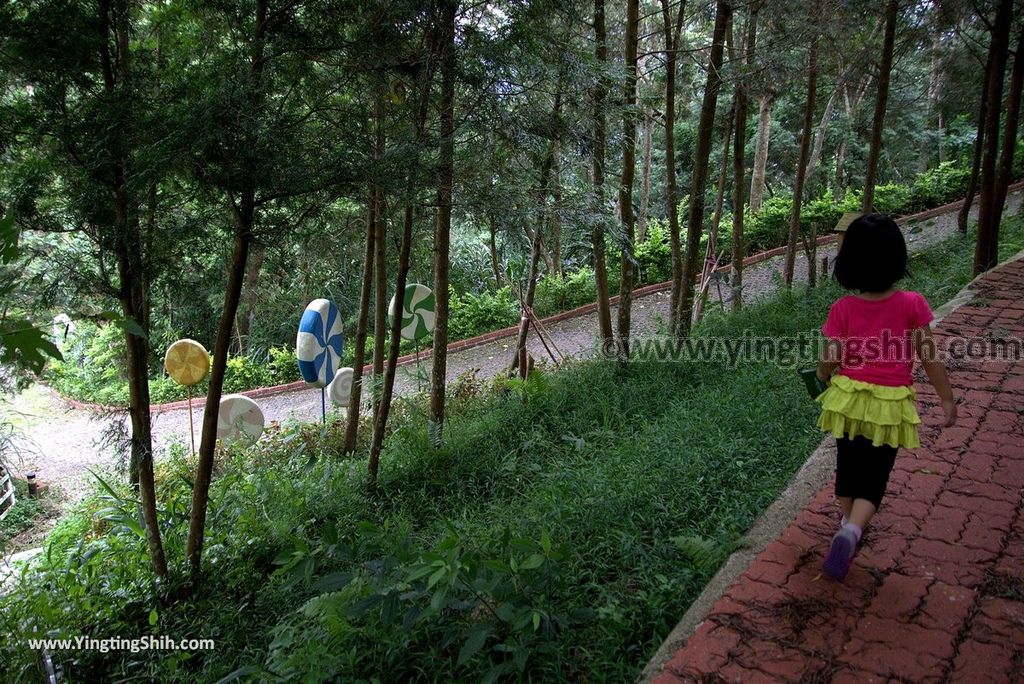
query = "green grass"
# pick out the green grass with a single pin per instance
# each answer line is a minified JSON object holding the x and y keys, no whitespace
{"x":569,"y":522}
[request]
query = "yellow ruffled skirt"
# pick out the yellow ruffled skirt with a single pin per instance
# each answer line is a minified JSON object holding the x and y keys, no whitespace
{"x":885,"y":415}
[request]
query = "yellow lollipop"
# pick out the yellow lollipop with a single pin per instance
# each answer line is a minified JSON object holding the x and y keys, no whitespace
{"x":187,"y":362}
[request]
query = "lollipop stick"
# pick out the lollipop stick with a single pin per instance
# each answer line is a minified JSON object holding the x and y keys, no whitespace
{"x":191,"y":428}
{"x":323,"y":405}
{"x":419,"y":380}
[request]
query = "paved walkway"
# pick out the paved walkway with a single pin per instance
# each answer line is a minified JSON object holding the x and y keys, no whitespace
{"x":936,"y":593}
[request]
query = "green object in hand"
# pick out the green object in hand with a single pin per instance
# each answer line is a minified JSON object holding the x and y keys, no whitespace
{"x":813,"y":383}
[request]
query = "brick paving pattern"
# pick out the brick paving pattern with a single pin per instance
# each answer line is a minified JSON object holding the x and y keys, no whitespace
{"x":936,"y":592}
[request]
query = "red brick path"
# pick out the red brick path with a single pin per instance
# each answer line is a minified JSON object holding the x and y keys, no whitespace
{"x":936,"y":592}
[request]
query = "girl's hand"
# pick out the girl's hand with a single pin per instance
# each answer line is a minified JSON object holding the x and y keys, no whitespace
{"x":949,"y":408}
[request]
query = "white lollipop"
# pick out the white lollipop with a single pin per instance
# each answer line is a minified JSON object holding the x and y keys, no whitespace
{"x":239,"y":415}
{"x":340,"y":388}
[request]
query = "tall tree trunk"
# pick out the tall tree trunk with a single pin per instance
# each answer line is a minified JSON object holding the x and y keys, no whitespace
{"x":556,"y":214}
{"x":851,"y":105}
{"x":133,"y":290}
{"x":244,"y":210}
{"x":723,"y":167}
{"x":362,"y":324}
{"x":764,"y":132}
{"x":536,"y":245}
{"x":442,"y":232}
{"x":380,"y":264}
{"x":251,"y":290}
{"x":492,"y":245}
{"x":705,"y":128}
{"x":738,"y":163}
{"x":134,"y":306}
{"x":979,"y":149}
{"x":994,"y":180}
{"x":672,"y":33}
{"x":244,"y":217}
{"x":388,"y":386}
{"x":839,"y":189}
{"x":878,"y":125}
{"x":934,"y":91}
{"x":626,"y":184}
{"x":819,"y":136}
{"x":604,"y":315}
{"x":1011,"y":122}
{"x":645,"y":177}
{"x":801,"y":169}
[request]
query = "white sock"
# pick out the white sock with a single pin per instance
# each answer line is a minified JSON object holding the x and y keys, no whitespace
{"x":857,"y":531}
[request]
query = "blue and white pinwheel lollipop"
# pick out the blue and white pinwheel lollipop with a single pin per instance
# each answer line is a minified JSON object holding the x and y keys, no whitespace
{"x":319,"y":343}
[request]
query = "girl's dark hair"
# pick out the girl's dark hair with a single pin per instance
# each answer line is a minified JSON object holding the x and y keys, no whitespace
{"x":873,"y":255}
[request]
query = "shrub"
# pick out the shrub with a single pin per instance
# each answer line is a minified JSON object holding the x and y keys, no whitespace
{"x":556,"y":293}
{"x":943,"y":184}
{"x":243,"y":373}
{"x":283,"y":365}
{"x":893,"y":199}
{"x":472,"y":314}
{"x":769,"y":226}
{"x":654,"y":255}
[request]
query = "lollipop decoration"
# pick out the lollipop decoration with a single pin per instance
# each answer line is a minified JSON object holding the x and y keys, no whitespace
{"x":187,"y":362}
{"x":340,"y":389}
{"x":319,"y":345}
{"x":417,"y":316}
{"x":239,"y":416}
{"x":417,"y":311}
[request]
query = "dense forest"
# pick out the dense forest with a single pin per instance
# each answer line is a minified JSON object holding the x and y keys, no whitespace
{"x":205,"y":169}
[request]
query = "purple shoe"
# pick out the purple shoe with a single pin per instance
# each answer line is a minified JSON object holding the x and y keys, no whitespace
{"x":837,"y":563}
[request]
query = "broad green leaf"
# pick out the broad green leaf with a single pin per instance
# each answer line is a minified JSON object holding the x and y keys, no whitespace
{"x":476,"y":640}
{"x":532,"y":562}
{"x":332,"y":582}
{"x":26,"y":346}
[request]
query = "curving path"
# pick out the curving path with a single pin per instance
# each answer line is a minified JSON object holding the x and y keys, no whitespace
{"x":936,"y":592}
{"x":61,"y":443}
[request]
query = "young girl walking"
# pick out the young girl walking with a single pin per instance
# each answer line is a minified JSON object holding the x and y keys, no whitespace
{"x":872,"y":338}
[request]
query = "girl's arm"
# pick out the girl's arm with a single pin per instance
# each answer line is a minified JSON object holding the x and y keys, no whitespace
{"x":936,"y":372}
{"x":831,"y":354}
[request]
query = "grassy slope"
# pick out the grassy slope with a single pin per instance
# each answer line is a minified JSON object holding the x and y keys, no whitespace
{"x":610,"y":464}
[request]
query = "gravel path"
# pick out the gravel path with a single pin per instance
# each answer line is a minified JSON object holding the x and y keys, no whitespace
{"x":61,"y":443}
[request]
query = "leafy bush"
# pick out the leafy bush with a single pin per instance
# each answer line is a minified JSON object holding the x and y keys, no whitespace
{"x":472,"y":314}
{"x":654,"y":254}
{"x":945,"y":183}
{"x":244,"y":373}
{"x":283,"y":365}
{"x":893,"y":199}
{"x":769,"y":226}
{"x":556,"y":293}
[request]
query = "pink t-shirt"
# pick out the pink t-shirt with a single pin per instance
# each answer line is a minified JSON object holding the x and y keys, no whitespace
{"x":877,"y":336}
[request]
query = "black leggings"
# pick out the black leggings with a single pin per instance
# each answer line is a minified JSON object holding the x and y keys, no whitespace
{"x":862,"y":470}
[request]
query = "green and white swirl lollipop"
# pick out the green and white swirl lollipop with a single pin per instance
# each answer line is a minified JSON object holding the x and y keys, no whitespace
{"x":417,"y":311}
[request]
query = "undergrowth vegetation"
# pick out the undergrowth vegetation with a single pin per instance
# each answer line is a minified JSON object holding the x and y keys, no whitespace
{"x":557,"y":535}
